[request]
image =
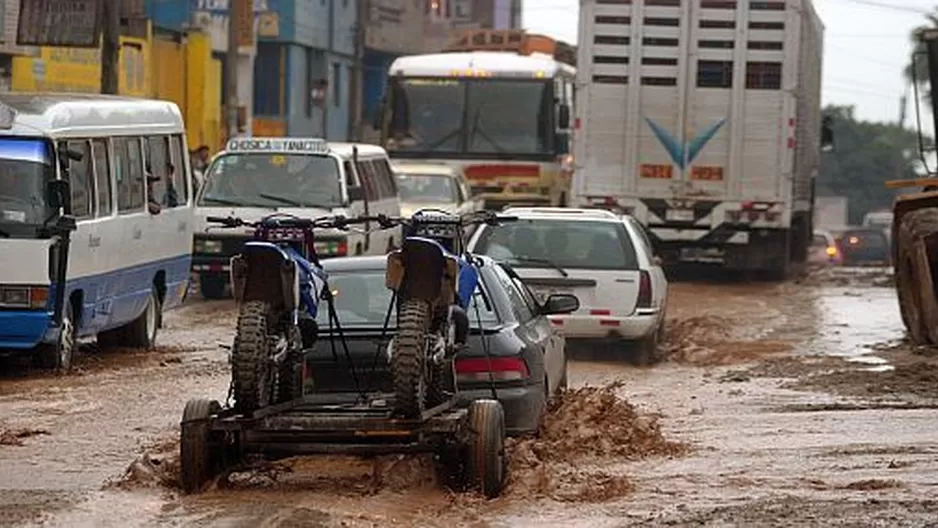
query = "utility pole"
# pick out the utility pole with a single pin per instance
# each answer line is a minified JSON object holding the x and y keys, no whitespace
{"x":900,"y":131}
{"x":110,"y":48}
{"x":358,"y":72}
{"x":231,"y":68}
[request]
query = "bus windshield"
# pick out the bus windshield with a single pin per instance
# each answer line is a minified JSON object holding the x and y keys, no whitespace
{"x":26,"y":166}
{"x":471,"y":116}
{"x":265,"y":180}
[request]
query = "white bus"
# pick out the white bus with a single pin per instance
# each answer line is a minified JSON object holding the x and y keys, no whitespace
{"x":95,"y":221}
{"x":501,"y":118}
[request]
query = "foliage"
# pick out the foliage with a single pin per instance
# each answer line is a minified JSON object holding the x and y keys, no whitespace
{"x":866,"y":155}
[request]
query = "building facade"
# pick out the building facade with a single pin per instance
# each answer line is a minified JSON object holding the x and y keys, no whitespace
{"x":9,"y":15}
{"x":304,"y":81}
{"x":483,"y":14}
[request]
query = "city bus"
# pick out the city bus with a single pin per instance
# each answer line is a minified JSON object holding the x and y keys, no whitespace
{"x":96,"y":221}
{"x":501,"y":117}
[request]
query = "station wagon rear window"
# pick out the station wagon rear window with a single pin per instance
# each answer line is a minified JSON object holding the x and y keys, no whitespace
{"x":546,"y":243}
{"x":258,"y":179}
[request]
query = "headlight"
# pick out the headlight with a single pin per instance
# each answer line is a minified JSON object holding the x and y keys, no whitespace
{"x":208,"y":246}
{"x":24,"y":296}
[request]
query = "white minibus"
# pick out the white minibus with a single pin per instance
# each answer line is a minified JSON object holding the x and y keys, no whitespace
{"x":95,"y":221}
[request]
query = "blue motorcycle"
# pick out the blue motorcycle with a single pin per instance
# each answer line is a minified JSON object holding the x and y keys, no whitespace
{"x":433,"y":279}
{"x":278,"y":283}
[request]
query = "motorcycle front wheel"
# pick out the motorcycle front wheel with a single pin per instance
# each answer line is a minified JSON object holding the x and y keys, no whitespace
{"x":409,"y":358}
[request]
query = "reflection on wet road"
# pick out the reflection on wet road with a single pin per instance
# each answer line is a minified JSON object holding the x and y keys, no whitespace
{"x":779,"y":429}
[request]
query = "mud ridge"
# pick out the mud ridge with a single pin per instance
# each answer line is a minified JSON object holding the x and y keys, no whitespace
{"x":709,"y":340}
{"x":585,"y":426}
{"x":17,"y":437}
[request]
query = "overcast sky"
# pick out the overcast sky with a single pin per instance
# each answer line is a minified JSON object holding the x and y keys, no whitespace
{"x":866,"y":47}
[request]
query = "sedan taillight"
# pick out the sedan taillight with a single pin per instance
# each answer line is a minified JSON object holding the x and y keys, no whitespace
{"x":500,"y":369}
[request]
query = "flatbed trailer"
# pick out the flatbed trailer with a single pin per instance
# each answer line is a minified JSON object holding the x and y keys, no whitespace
{"x":469,"y":442}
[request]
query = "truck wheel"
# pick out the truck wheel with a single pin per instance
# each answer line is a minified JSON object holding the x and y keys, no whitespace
{"x":57,"y":356}
{"x":212,"y":287}
{"x":250,"y":359}
{"x":199,"y":455}
{"x":141,"y":333}
{"x":409,"y":358}
{"x":487,"y":465}
{"x":914,"y":284}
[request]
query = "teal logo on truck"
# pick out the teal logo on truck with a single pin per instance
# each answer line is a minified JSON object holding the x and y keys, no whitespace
{"x":677,"y":150}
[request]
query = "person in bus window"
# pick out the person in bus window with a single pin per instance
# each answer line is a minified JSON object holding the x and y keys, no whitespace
{"x":172,"y":196}
{"x":153,"y":205}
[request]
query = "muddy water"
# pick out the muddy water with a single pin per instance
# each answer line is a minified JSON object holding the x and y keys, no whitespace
{"x":755,"y":449}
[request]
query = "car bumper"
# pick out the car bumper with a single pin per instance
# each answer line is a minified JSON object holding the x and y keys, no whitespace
{"x":203,"y":264}
{"x":522,"y":405}
{"x":23,"y":330}
{"x":636,"y":326}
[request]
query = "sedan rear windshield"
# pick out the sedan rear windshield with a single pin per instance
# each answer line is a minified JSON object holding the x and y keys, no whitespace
{"x":568,"y":244}
{"x":361,"y":301}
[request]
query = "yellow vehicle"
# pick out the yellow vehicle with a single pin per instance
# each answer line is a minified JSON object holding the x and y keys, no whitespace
{"x":915,"y":234}
{"x":502,"y":117}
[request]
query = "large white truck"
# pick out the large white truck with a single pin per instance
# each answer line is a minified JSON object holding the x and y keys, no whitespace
{"x":701,"y":118}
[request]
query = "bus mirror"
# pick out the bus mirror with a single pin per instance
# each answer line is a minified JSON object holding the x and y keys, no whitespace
{"x":563,"y":119}
{"x":58,"y":195}
{"x":356,"y":194}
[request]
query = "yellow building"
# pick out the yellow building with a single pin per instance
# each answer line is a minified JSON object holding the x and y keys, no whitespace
{"x":184,"y":73}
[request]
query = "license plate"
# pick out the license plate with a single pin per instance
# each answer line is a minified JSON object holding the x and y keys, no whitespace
{"x":679,"y":215}
{"x":544,"y":293}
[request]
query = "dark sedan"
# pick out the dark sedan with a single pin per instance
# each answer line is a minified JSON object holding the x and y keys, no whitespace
{"x":866,"y":246}
{"x":525,"y":365}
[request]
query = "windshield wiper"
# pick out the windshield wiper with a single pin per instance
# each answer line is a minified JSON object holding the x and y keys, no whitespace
{"x":226,"y":201}
{"x":547,"y":262}
{"x":281,"y":199}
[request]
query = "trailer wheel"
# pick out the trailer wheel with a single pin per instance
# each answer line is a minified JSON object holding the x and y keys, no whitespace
{"x":199,"y":455}
{"x":487,"y":465}
{"x":914,"y":283}
{"x":409,"y":358}
{"x":250,"y":359}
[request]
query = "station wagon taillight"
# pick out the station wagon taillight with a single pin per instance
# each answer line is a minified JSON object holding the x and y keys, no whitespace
{"x":471,"y":370}
{"x":644,"y":289}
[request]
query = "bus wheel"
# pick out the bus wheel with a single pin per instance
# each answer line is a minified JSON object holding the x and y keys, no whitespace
{"x":142,"y":332}
{"x":58,"y":356}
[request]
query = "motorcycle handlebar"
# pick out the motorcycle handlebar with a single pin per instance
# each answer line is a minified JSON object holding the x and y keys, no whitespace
{"x":339,"y":222}
{"x":484,"y":217}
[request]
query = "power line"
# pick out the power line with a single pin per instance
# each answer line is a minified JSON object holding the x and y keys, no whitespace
{"x":893,"y":7}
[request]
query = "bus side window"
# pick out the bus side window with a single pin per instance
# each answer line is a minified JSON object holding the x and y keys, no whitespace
{"x":367,"y":177}
{"x":80,"y":180}
{"x":180,"y":169}
{"x":102,"y":177}
{"x":381,"y":180}
{"x":388,"y":173}
{"x":129,"y":164}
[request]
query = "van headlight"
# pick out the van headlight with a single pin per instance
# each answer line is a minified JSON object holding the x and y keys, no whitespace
{"x":207,"y":246}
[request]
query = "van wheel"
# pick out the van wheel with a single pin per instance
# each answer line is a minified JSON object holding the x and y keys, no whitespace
{"x":58,"y":356}
{"x":142,"y":332}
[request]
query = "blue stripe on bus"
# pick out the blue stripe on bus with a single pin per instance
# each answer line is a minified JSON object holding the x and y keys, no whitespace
{"x":109,"y":300}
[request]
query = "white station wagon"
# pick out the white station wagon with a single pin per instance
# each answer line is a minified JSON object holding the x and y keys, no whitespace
{"x":605,"y":259}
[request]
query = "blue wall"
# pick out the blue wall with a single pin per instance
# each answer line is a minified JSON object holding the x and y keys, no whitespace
{"x":173,"y":15}
{"x":376,"y":64}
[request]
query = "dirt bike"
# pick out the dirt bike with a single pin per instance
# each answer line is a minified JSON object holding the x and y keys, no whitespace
{"x":433,"y":279}
{"x":278,"y":283}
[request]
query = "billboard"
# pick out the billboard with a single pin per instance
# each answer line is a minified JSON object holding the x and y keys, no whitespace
{"x":72,"y":23}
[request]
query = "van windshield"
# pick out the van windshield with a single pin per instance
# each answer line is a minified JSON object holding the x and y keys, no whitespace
{"x":25,"y":168}
{"x":265,"y":180}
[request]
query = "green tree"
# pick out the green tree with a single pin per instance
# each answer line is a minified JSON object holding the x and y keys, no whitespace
{"x":867,"y":155}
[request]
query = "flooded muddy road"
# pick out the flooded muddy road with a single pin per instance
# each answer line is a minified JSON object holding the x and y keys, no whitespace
{"x":791,"y":404}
